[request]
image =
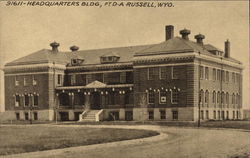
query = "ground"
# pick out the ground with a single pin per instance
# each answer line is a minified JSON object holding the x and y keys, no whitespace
{"x":173,"y":142}
{"x":27,"y":138}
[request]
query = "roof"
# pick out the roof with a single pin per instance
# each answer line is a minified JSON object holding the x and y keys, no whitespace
{"x":174,"y":45}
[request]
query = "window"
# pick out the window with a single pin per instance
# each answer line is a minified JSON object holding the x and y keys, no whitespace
{"x":233,"y":114}
{"x":233,"y":99}
{"x":214,"y":114}
{"x":163,"y":114}
{"x":202,"y":115}
{"x":223,"y":115}
{"x":174,"y":96}
{"x":214,"y":97}
{"x":35,"y":116}
{"x":175,"y":74}
{"x":223,"y":98}
{"x":201,"y":97}
{"x":218,"y":114}
{"x":16,"y":81}
{"x":17,"y":116}
{"x":73,"y":79}
{"x":26,"y":100}
{"x":34,"y":82}
{"x":207,"y":114}
{"x":206,"y":73}
{"x":233,"y":77}
{"x":214,"y":74}
{"x":218,"y":75}
{"x":150,"y":73}
{"x":25,"y":81}
{"x":227,"y":76}
{"x":206,"y":97}
{"x":227,"y":98}
{"x":35,"y":99}
{"x":175,"y":115}
{"x":163,"y":72}
{"x":128,"y":115}
{"x":151,"y":97}
{"x":201,"y":69}
{"x":151,"y":115}
{"x":26,"y":116}
{"x":223,"y":75}
{"x":59,"y":79}
{"x":218,"y":98}
{"x":163,"y":97}
{"x":17,"y":100}
{"x":227,"y":115}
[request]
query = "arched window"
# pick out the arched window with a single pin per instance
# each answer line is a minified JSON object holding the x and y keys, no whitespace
{"x":218,"y":97}
{"x":201,"y":96}
{"x":233,"y":99}
{"x":223,"y":98}
{"x":227,"y":98}
{"x":206,"y":96}
{"x":214,"y":97}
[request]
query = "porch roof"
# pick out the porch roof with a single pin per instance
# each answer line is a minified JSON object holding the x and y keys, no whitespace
{"x":97,"y":87}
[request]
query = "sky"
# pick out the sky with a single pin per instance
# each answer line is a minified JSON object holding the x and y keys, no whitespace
{"x":24,"y":30}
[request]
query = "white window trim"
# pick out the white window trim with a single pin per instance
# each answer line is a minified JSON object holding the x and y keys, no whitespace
{"x":148,"y":98}
{"x":172,"y":98}
{"x":160,"y":69}
{"x":172,"y":73}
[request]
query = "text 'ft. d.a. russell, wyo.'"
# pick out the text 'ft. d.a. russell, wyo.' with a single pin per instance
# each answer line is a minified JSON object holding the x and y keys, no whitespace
{"x":139,"y":4}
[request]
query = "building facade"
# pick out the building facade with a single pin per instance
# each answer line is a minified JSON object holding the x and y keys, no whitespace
{"x":177,"y":79}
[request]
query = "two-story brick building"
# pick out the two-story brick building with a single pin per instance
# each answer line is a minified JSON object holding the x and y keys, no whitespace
{"x":177,"y":79}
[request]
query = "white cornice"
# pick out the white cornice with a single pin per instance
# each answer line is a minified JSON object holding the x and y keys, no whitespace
{"x":35,"y":66}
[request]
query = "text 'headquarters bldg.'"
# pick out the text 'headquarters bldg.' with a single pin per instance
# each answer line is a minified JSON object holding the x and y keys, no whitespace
{"x":177,"y":79}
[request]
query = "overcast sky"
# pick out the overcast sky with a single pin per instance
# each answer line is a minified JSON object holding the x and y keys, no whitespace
{"x":24,"y":30}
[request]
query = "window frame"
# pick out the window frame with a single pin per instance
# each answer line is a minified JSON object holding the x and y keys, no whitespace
{"x":163,"y":74}
{"x":151,"y":95}
{"x":176,"y":100}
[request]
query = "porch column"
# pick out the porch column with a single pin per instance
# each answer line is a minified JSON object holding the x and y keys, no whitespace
{"x":87,"y":100}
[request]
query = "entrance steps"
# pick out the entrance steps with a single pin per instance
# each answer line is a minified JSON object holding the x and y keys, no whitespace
{"x":90,"y":115}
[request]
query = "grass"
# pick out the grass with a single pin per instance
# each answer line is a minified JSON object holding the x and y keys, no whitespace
{"x":20,"y":139}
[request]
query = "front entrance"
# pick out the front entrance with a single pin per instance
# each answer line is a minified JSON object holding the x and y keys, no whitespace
{"x":96,"y":101}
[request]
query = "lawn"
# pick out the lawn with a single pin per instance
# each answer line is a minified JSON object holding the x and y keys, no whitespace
{"x":20,"y":139}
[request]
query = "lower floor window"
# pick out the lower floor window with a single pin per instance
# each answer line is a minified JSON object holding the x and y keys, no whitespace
{"x":26,"y":116}
{"x":114,"y":115}
{"x":218,"y":114}
{"x":151,"y":115}
{"x":233,"y":114}
{"x":227,"y":115}
{"x":207,"y":114}
{"x":214,"y":114}
{"x":202,"y":115}
{"x":128,"y":115}
{"x":35,"y":116}
{"x":175,"y":115}
{"x":163,"y":114}
{"x":18,"y":116}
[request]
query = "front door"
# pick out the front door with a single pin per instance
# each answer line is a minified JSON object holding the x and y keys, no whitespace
{"x":96,"y":100}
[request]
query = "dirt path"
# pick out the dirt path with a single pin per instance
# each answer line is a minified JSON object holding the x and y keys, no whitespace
{"x":180,"y":143}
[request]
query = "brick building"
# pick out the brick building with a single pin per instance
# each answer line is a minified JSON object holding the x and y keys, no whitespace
{"x":177,"y":79}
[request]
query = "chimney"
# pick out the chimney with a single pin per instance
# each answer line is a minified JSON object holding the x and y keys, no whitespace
{"x":199,"y":38}
{"x":227,"y":49}
{"x":54,"y":46}
{"x":184,"y":33}
{"x":169,"y":31}
{"x":74,"y":48}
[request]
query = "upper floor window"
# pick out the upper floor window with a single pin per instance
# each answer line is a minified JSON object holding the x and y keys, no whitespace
{"x":206,"y":73}
{"x":151,"y":73}
{"x":223,"y":75}
{"x":17,"y":100}
{"x":175,"y":73}
{"x":214,"y":97}
{"x":151,"y":97}
{"x":201,"y":96}
{"x":233,"y":98}
{"x":218,"y":97}
{"x":35,"y":103}
{"x":73,"y":79}
{"x":214,"y":74}
{"x":206,"y":96}
{"x":227,"y":76}
{"x":163,"y":72}
{"x":218,"y":75}
{"x":227,"y":98}
{"x":223,"y":98}
{"x":59,"y":79}
{"x":34,"y":81}
{"x":26,"y":100}
{"x":201,"y":70}
{"x":233,"y":77}
{"x":174,"y":96}
{"x":25,"y":81}
{"x":16,"y":81}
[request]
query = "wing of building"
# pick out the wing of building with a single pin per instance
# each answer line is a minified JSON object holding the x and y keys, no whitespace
{"x":177,"y":79}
